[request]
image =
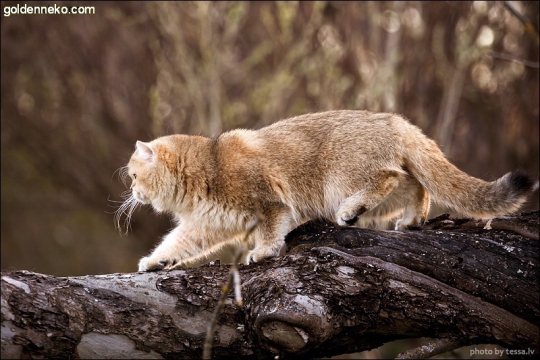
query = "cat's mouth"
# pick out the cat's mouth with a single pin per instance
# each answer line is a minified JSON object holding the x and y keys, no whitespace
{"x":137,"y":195}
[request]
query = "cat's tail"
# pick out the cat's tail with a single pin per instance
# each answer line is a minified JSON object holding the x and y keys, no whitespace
{"x":467,"y":195}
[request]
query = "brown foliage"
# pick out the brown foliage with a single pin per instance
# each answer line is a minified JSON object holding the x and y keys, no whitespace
{"x":77,"y":91}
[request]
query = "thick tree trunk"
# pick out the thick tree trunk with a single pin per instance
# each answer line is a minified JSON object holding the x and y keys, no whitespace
{"x":338,"y":290}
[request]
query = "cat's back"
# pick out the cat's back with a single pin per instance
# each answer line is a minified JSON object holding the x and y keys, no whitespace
{"x":316,"y":135}
{"x":324,"y":123}
{"x":331,"y":130}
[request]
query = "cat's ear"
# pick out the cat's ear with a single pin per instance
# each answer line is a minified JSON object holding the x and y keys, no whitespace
{"x":145,"y":150}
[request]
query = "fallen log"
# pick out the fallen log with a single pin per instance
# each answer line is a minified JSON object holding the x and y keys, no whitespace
{"x":336,"y":291}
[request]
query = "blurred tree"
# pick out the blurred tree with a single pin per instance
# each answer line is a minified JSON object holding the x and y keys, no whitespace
{"x":77,"y":91}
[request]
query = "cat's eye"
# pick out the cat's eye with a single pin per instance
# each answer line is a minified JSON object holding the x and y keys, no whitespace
{"x":134,"y":176}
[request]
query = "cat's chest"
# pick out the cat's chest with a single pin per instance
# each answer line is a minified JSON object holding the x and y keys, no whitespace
{"x":216,"y":217}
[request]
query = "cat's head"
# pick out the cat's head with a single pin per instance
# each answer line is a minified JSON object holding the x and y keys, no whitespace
{"x":153,"y":169}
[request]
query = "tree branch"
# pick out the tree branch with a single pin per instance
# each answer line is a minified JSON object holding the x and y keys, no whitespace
{"x":529,"y":26}
{"x":338,"y":290}
{"x":436,"y":347}
{"x":508,"y":57}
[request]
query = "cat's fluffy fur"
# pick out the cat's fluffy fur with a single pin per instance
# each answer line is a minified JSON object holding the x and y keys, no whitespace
{"x":353,"y":167}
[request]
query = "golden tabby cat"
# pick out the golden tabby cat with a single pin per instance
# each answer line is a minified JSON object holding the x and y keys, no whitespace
{"x":353,"y":167}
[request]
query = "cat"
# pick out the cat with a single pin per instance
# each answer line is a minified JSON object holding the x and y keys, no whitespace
{"x":350,"y":166}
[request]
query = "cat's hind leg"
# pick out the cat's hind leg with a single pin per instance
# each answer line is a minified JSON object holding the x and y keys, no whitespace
{"x":373,"y":192}
{"x":408,"y":204}
{"x":417,"y":207}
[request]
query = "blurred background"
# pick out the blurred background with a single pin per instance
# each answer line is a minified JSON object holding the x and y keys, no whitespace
{"x":79,"y":90}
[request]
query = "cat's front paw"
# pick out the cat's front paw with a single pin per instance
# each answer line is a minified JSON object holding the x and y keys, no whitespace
{"x":153,"y":264}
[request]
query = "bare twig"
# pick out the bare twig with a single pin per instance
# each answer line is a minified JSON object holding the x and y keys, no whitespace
{"x":207,"y":349}
{"x":508,"y":57}
{"x":499,"y":224}
{"x":430,"y":349}
{"x":237,"y":287}
{"x":449,"y":106}
{"x":232,"y":280}
{"x":529,"y":27}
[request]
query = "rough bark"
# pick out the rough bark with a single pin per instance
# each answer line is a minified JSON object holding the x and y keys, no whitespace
{"x":338,"y":290}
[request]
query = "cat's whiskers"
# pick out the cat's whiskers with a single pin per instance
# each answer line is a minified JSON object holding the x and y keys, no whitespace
{"x":127,"y":207}
{"x":123,"y":174}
